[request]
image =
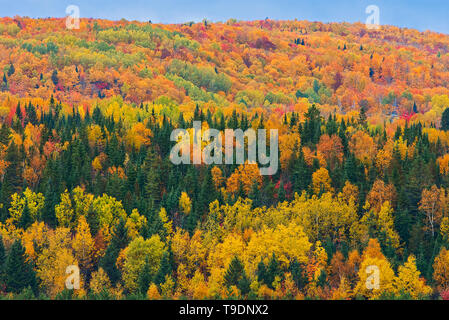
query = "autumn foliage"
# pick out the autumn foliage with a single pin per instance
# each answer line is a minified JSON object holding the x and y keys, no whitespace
{"x":85,"y":176}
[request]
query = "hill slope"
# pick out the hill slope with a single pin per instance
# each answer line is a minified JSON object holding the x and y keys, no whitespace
{"x":244,"y":64}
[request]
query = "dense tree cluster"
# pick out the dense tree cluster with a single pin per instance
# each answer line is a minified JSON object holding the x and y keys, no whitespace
{"x":85,"y":176}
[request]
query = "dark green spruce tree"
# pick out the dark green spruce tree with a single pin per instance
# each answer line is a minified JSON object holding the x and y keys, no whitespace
{"x":164,"y":269}
{"x":235,"y":276}
{"x":445,"y":120}
{"x":25,"y":219}
{"x":19,"y":272}
{"x":2,"y":265}
{"x":145,"y":277}
{"x":119,"y":241}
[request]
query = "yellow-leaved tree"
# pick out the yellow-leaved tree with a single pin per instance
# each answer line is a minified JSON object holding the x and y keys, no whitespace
{"x":81,"y":202}
{"x":441,"y":270}
{"x":376,"y":277}
{"x":153,"y":292}
{"x":381,"y":222}
{"x":135,"y":223}
{"x":409,"y":281}
{"x":135,"y":255}
{"x":168,"y":224}
{"x":83,"y":245}
{"x":323,"y":217}
{"x":100,"y":282}
{"x":185,"y":204}
{"x":321,"y":181}
{"x":287,"y":242}
{"x":350,"y":192}
{"x":433,"y":203}
{"x":198,"y":286}
{"x":245,"y":176}
{"x":64,"y":211}
{"x":52,"y":263}
{"x":109,"y":211}
{"x":167,"y":287}
{"x":34,"y":239}
{"x":34,"y":201}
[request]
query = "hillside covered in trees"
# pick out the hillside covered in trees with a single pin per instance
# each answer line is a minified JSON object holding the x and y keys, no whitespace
{"x":85,"y":176}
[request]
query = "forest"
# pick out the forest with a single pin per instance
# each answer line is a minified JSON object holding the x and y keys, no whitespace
{"x":85,"y":177}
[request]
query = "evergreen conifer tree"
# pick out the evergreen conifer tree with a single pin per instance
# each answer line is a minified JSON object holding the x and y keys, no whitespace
{"x":144,"y":279}
{"x":18,"y":270}
{"x":118,"y":242}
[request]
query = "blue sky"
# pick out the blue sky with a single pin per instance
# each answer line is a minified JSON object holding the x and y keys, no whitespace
{"x":418,"y":14}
